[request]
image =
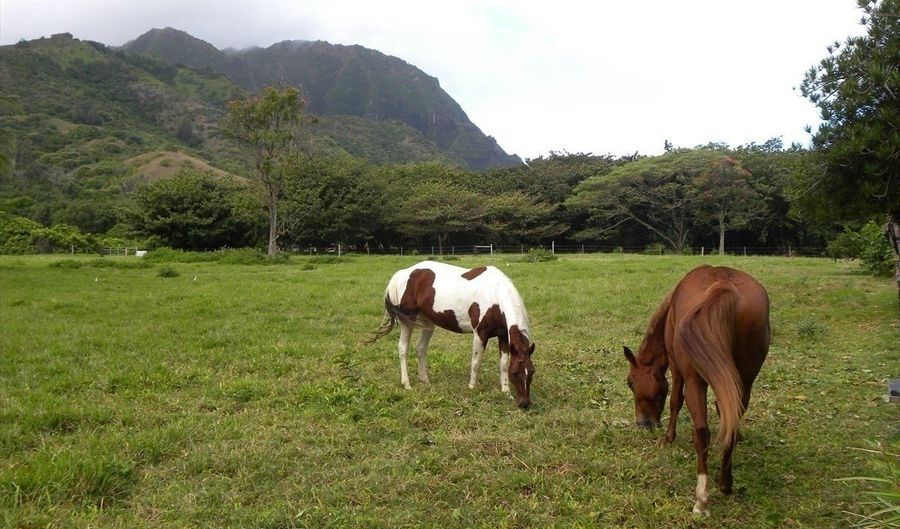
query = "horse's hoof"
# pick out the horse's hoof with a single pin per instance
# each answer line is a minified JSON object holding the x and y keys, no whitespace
{"x":725,"y":489}
{"x":407,"y":387}
{"x":471,"y":386}
{"x":701,"y":509}
{"x":424,"y":381}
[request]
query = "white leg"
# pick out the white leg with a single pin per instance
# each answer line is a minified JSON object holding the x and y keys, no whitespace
{"x":504,"y":372}
{"x":702,"y":495}
{"x":421,"y":350}
{"x":402,"y":347}
{"x":477,"y":350}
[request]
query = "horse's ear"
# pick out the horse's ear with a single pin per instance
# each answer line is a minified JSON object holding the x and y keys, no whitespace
{"x":629,"y":356}
{"x":531,"y":350}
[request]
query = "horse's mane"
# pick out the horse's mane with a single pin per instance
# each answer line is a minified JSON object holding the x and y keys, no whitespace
{"x":513,"y":306}
{"x":657,"y":323}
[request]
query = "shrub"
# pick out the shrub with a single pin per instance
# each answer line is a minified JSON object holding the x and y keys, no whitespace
{"x":656,"y":248}
{"x":167,"y":271}
{"x":810,"y":327}
{"x":241,"y":256}
{"x":539,"y":255}
{"x":66,"y":263}
{"x":869,"y":245}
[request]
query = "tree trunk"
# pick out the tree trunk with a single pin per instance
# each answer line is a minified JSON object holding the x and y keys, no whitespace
{"x":441,"y":238}
{"x":892,"y":230}
{"x":273,"y":225}
{"x":721,"y":234}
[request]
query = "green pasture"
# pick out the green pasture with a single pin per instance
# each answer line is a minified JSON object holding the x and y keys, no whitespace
{"x":226,"y":395}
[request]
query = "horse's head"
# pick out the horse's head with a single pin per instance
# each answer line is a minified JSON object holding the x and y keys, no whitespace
{"x":648,"y":383}
{"x":521,"y":371}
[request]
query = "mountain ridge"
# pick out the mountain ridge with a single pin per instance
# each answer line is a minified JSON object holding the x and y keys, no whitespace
{"x":339,"y":80}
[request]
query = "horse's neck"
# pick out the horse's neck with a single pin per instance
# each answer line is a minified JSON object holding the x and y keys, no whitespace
{"x":653,"y":348}
{"x":512,"y":307}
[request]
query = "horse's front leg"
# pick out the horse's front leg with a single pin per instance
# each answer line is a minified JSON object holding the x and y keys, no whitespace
{"x":675,"y":402}
{"x":695,"y":395}
{"x":504,"y":366}
{"x":402,"y":348}
{"x":477,"y":352}
{"x":421,"y":351}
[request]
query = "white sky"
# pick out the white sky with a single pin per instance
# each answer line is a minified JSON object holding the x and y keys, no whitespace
{"x":592,"y":76}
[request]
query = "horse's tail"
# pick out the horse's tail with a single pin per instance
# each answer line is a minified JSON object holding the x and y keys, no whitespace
{"x":391,"y":317}
{"x":706,"y":333}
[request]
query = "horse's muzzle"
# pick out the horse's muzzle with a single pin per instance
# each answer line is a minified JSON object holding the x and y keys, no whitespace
{"x":648,"y":423}
{"x":524,"y":404}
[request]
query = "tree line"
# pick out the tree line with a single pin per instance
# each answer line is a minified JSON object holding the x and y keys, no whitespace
{"x":716,"y":196}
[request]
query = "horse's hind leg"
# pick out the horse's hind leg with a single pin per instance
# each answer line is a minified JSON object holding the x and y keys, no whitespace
{"x":402,"y":348}
{"x":421,"y":351}
{"x":477,"y":352}
{"x":695,"y":395}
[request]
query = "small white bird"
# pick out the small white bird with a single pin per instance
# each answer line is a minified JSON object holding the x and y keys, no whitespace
{"x":96,"y":279}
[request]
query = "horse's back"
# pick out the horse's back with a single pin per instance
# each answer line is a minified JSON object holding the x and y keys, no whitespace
{"x":751,"y":315}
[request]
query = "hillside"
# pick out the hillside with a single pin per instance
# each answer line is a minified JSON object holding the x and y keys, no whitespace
{"x":76,"y":114}
{"x":341,"y":80}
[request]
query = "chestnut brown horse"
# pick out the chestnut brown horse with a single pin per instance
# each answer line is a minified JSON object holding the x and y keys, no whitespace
{"x":711,"y":330}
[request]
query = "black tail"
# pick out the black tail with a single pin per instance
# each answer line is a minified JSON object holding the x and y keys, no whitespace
{"x":392,"y":315}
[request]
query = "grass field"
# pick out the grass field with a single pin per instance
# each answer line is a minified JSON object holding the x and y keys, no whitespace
{"x":239,"y":396}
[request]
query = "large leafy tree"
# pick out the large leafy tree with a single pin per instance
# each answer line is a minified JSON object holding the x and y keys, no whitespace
{"x":335,"y":201}
{"x":271,"y":125}
{"x":442,"y":209}
{"x":514,"y":217}
{"x":727,"y":196}
{"x":192,"y":210}
{"x":857,"y":90}
{"x":659,"y":193}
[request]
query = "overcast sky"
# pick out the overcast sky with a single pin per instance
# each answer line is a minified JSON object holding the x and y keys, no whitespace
{"x":592,"y":76}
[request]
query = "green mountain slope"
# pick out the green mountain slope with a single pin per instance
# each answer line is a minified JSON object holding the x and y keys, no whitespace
{"x":75,"y":113}
{"x":341,"y":80}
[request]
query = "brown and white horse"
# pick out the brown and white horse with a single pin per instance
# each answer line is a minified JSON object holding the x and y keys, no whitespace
{"x":711,"y":330}
{"x":482,"y":301}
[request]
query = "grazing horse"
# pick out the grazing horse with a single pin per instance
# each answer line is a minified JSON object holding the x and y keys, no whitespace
{"x":482,"y":301}
{"x":711,"y":330}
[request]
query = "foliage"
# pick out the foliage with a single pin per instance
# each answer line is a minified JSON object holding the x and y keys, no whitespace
{"x":868,"y":244}
{"x":167,"y":271}
{"x":334,"y":200}
{"x":191,"y":210}
{"x":440,"y":210}
{"x":514,"y":217}
{"x":269,"y":125}
{"x":884,"y":480}
{"x":659,"y":193}
{"x":539,"y":255}
{"x":19,"y":235}
{"x":857,"y":90}
{"x":727,"y":198}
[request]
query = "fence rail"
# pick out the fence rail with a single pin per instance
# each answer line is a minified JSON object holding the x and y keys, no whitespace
{"x":787,"y":251}
{"x":488,"y":249}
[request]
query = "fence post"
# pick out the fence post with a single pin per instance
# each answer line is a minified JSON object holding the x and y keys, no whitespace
{"x":745,"y":251}
{"x":522,"y":248}
{"x":492,"y":248}
{"x":552,"y":246}
{"x":702,"y":250}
